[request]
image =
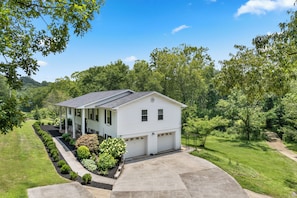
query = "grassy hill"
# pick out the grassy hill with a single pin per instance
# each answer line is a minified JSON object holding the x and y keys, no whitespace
{"x":24,"y":163}
{"x":254,"y":165}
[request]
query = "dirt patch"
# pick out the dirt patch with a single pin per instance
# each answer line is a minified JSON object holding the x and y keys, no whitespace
{"x":280,"y":147}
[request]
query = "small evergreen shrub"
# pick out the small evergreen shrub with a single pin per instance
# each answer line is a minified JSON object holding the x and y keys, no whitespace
{"x":87,"y":178}
{"x":89,"y":140}
{"x":61,"y":163}
{"x":65,"y":169}
{"x":105,"y":162}
{"x":56,"y":157}
{"x":66,"y":137}
{"x":89,"y":164}
{"x":73,"y":175}
{"x":54,"y":151}
{"x":72,"y":142}
{"x":51,"y":145}
{"x":83,"y":152}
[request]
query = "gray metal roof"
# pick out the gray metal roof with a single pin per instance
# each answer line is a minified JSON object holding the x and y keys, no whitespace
{"x":110,"y":99}
{"x":90,"y":98}
{"x":124,"y":100}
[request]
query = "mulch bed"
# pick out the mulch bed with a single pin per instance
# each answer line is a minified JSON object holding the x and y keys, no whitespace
{"x":54,"y":131}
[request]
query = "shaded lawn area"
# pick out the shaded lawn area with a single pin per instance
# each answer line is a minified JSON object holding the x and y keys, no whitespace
{"x":254,"y":165}
{"x":24,"y":163}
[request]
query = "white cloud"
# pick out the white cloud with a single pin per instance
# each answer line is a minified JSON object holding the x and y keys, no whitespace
{"x":130,"y":59}
{"x":179,"y":28}
{"x":41,"y":63}
{"x":263,"y":6}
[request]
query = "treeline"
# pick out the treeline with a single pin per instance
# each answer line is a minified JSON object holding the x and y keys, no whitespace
{"x":254,"y":91}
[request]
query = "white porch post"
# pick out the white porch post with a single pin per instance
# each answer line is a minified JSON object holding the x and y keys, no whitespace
{"x":73,"y":123}
{"x":83,"y":122}
{"x":66,"y":120}
{"x":60,"y":113}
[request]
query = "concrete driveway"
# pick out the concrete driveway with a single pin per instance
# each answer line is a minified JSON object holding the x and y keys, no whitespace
{"x":175,"y":175}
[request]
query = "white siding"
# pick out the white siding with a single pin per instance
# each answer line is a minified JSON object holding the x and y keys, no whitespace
{"x":131,"y":125}
{"x":129,"y":116}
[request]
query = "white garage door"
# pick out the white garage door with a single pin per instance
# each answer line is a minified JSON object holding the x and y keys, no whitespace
{"x":136,"y":146}
{"x":166,"y":141}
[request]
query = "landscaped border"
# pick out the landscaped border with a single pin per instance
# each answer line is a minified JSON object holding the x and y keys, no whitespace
{"x":41,"y":133}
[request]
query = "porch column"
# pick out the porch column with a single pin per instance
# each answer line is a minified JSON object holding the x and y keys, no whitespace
{"x":60,"y":113}
{"x":83,"y":122}
{"x":66,"y":120}
{"x":73,"y":123}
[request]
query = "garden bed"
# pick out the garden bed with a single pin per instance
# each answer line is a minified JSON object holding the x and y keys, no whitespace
{"x":54,"y":132}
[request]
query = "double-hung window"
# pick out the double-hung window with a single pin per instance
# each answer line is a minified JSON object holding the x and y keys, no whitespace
{"x":107,"y":117}
{"x":160,"y":114}
{"x":144,"y":115}
{"x":97,"y":114}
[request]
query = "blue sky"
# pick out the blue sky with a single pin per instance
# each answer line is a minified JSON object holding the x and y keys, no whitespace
{"x":130,"y":30}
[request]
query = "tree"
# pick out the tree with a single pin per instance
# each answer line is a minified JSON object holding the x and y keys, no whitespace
{"x":10,"y":114}
{"x":143,"y":78}
{"x":281,"y":51}
{"x":245,"y":117}
{"x":28,"y":27}
{"x":204,"y":126}
{"x":183,"y":70}
{"x":21,"y":38}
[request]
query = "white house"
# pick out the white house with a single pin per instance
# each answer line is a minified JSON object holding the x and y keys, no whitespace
{"x":149,"y":122}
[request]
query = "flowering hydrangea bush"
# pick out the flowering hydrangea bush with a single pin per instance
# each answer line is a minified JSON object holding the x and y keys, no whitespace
{"x":116,"y":147}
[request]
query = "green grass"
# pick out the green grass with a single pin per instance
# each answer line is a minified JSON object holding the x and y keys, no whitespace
{"x":24,"y":163}
{"x":292,"y":146}
{"x":254,"y":165}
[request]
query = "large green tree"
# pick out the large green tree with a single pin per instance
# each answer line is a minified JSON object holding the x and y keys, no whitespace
{"x":28,"y":27}
{"x":184,"y":72}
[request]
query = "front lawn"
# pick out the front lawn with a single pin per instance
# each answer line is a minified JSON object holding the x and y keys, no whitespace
{"x":254,"y":165}
{"x":24,"y":163}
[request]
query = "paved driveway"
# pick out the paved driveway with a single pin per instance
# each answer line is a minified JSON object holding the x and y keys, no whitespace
{"x":175,"y":175}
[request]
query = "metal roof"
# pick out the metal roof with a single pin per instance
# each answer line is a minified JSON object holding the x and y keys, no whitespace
{"x":90,"y":98}
{"x":110,"y":99}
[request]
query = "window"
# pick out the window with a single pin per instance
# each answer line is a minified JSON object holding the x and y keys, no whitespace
{"x":91,"y":114}
{"x":78,"y":111}
{"x":144,"y":115}
{"x":69,"y":111}
{"x":160,"y":114}
{"x":97,"y":115}
{"x":107,"y":116}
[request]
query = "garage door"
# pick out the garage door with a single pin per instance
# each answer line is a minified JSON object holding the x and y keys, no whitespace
{"x":166,"y":141}
{"x":136,"y":146}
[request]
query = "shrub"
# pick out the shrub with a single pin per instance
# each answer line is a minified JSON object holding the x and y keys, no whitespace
{"x":89,"y":164}
{"x":87,"y":178}
{"x":72,"y":142}
{"x":73,"y":175}
{"x":61,"y":163}
{"x":66,"y":137}
{"x":83,"y":152}
{"x":54,"y":151}
{"x":89,"y":140}
{"x":114,"y":146}
{"x":51,"y":145}
{"x":106,"y":161}
{"x":56,"y":157}
{"x":65,"y":169}
{"x":103,"y":172}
